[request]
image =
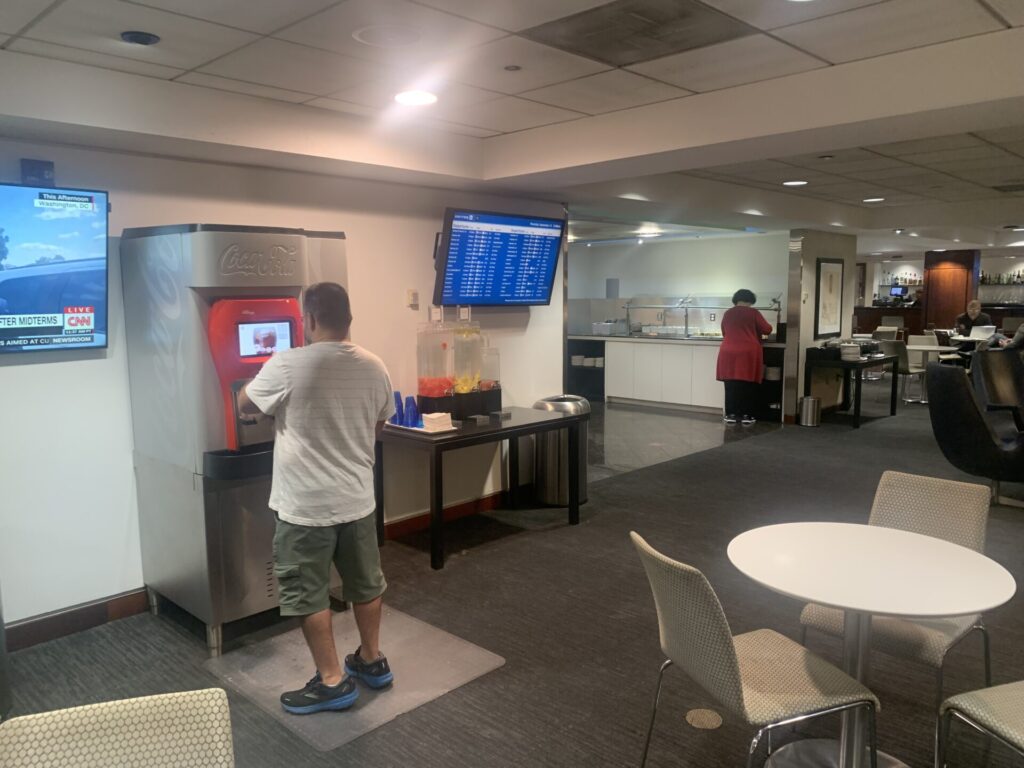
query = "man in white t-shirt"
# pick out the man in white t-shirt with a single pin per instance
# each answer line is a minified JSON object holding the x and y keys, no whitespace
{"x":329,"y":401}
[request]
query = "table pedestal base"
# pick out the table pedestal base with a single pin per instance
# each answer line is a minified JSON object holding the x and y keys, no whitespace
{"x":821,"y":753}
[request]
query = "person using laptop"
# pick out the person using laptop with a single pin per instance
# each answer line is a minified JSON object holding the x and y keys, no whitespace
{"x":973,"y":316}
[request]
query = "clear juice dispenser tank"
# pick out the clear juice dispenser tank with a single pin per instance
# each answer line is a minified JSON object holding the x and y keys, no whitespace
{"x":469,"y":347}
{"x":490,"y":374}
{"x":434,"y":347}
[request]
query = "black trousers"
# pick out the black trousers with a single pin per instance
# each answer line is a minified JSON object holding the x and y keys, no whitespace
{"x":742,"y":398}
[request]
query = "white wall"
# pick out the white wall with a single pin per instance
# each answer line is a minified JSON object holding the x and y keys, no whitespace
{"x":908,"y":269}
{"x":714,"y":267}
{"x":68,"y":530}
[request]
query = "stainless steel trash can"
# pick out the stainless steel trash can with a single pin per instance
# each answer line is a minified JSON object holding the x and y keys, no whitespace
{"x":5,"y":672}
{"x":551,"y":459}
{"x":810,"y":412}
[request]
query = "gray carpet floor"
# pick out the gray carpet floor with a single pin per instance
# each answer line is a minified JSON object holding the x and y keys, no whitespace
{"x":570,"y":610}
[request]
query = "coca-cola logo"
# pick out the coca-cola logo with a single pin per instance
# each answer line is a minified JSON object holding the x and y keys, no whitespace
{"x":279,"y":262}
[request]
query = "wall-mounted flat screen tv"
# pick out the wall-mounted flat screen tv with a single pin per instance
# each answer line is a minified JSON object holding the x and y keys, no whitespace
{"x":53,"y":268}
{"x":496,"y":259}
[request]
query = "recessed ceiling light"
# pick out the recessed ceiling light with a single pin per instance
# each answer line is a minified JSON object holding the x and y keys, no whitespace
{"x":140,"y":38}
{"x":898,"y":231}
{"x":836,"y":224}
{"x":639,"y":241}
{"x":914,"y":234}
{"x":794,"y":183}
{"x":1017,"y":228}
{"x":876,"y":253}
{"x":589,"y":244}
{"x":512,"y":68}
{"x":752,"y":212}
{"x":633,"y":196}
{"x":874,"y":199}
{"x":956,"y":239}
{"x":825,"y":157}
{"x":416,"y":98}
{"x":939,"y":250}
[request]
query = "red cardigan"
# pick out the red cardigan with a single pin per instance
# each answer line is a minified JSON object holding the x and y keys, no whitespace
{"x":741,"y":357}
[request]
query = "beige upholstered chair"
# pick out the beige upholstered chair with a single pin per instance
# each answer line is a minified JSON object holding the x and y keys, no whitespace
{"x":943,"y":509}
{"x":906,"y":370}
{"x":919,"y":359}
{"x":761,"y":677}
{"x":998,"y":712}
{"x":173,"y":730}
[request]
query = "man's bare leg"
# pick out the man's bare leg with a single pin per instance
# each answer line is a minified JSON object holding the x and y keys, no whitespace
{"x":368,"y":622}
{"x":316,"y":628}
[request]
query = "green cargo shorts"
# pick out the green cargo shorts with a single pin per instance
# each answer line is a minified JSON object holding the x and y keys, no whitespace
{"x":302,"y":564}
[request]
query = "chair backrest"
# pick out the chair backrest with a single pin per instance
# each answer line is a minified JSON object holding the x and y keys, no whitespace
{"x":942,"y":338}
{"x":918,"y":358}
{"x":1002,"y":374}
{"x":183,"y":730}
{"x":884,"y":332}
{"x":965,"y":437}
{"x":1011,"y":324}
{"x":694,"y":632}
{"x":898,"y":348}
{"x":943,"y":509}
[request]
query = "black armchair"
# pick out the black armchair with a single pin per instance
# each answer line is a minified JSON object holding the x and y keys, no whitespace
{"x":965,"y":436}
{"x":999,"y":381}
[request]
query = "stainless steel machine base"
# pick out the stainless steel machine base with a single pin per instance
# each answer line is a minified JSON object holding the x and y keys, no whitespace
{"x":821,"y":753}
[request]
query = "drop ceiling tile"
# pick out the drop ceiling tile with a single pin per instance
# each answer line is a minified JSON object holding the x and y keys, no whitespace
{"x":823,"y":160}
{"x":628,"y":31}
{"x":992,"y":177}
{"x":1016,"y":147}
{"x":238,"y":86}
{"x":15,"y":14}
{"x":381,"y":94}
{"x":464,"y":130}
{"x":96,"y":25}
{"x":511,"y":114}
{"x":514,"y":16}
{"x":4,"y":39}
{"x":856,"y":168}
{"x":292,"y":67}
{"x":888,"y":27}
{"x":336,"y":105}
{"x":400,"y":33}
{"x":746,"y":60}
{"x":92,"y":58}
{"x":966,"y":157}
{"x":958,"y":195}
{"x":1011,"y":10}
{"x":605,"y":92}
{"x":1003,"y":135}
{"x":934,"y":144}
{"x":540,"y":65}
{"x":903,"y":174}
{"x":262,"y":16}
{"x":769,"y":14}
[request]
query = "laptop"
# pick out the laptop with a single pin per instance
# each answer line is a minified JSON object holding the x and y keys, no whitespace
{"x":982,"y":332}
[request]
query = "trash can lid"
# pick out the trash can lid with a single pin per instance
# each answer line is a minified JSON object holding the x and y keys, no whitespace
{"x":573,"y":404}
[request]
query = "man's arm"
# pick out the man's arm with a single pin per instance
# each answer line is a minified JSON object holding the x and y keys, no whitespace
{"x":378,"y":429}
{"x":245,"y":405}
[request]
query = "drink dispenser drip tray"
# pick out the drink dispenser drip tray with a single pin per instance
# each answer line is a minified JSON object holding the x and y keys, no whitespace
{"x":252,"y":461}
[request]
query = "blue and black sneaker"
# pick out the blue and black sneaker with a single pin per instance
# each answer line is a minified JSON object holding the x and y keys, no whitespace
{"x":376,"y":674}
{"x":317,"y":697}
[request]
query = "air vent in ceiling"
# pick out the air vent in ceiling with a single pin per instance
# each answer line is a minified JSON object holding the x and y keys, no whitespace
{"x":1016,"y":187}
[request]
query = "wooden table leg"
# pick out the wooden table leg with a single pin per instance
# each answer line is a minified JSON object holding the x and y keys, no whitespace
{"x":513,"y":472}
{"x":574,"y":473}
{"x":378,"y":488}
{"x":894,"y":369}
{"x":436,"y":510}
{"x":856,"y":398}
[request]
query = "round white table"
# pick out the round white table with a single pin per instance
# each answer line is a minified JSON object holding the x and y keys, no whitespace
{"x":865,"y":570}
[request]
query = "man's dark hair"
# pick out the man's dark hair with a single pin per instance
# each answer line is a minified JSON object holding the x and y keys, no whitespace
{"x":329,"y":305}
{"x":744,"y":295}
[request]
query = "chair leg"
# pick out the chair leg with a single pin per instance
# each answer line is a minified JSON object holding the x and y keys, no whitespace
{"x":872,"y":736}
{"x":938,"y":689}
{"x":654,"y":710}
{"x":753,"y":748}
{"x":903,"y":388}
{"x":768,"y":741}
{"x":941,"y":736}
{"x":986,"y":649}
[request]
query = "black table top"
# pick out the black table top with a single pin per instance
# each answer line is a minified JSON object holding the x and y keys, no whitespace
{"x":835,"y":362}
{"x":520,"y":421}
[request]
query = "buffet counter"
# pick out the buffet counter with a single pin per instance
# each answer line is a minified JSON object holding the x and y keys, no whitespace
{"x":660,"y":371}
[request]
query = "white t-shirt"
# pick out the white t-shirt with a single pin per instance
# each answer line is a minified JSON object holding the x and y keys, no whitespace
{"x":326,"y":399}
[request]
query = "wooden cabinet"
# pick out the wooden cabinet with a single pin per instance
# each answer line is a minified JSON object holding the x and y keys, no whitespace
{"x":951,"y":280}
{"x":618,"y":369}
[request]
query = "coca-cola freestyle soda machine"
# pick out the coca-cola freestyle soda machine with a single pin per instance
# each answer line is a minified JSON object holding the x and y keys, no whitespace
{"x":205,"y":306}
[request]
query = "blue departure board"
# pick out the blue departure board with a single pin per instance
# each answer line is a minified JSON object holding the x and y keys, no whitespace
{"x":494,"y":259}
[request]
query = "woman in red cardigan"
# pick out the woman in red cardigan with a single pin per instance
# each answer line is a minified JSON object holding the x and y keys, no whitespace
{"x":740,"y":359}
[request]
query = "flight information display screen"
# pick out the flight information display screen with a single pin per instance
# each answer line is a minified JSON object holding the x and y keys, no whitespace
{"x":496,"y":259}
{"x":263,"y":339}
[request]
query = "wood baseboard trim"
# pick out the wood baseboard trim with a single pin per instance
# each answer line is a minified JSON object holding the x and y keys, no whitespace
{"x":421,"y":522}
{"x":50,"y":626}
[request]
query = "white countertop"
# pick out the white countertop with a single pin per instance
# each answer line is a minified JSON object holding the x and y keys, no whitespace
{"x":871,"y":569}
{"x":706,"y":342}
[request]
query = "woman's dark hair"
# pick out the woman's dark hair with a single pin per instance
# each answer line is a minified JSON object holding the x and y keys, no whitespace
{"x":329,"y":304}
{"x":744,"y":295}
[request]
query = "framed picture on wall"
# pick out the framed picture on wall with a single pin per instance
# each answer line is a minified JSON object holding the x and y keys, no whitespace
{"x":828,"y":311}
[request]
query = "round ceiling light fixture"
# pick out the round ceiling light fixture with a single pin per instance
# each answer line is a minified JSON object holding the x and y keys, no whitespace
{"x":512,"y":68}
{"x":387,"y":35}
{"x":826,"y":157}
{"x":794,"y":183}
{"x":874,"y":199}
{"x":136,"y":37}
{"x":416,"y":98}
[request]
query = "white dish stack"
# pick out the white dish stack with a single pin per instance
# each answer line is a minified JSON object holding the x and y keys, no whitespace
{"x":849,"y":352}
